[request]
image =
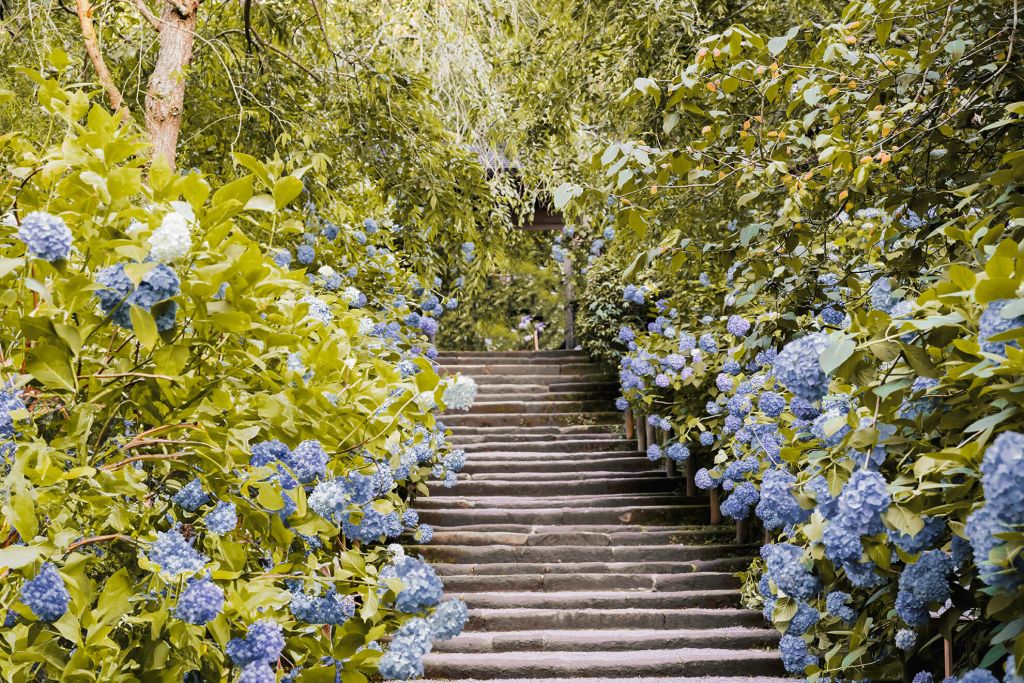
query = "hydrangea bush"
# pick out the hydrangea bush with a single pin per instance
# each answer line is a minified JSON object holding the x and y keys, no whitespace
{"x":209,"y":453}
{"x":832,"y":328}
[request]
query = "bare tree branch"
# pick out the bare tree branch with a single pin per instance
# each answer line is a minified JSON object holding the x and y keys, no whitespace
{"x":147,"y":13}
{"x":92,"y":48}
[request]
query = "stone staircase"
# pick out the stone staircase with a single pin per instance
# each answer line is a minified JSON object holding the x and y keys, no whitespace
{"x":580,"y":559}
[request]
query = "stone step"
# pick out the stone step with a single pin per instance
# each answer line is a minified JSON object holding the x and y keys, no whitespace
{"x":562,"y":536}
{"x":551,"y":382}
{"x":512,"y":453}
{"x":530,"y":443}
{"x":607,"y":396}
{"x":680,"y":662}
{"x":527,"y":355}
{"x":567,"y":431}
{"x":456,"y":420}
{"x":662,"y":514}
{"x":503,"y":554}
{"x":471,"y":487}
{"x":456,"y":362}
{"x":567,"y":501}
{"x":726,"y":564}
{"x":484,"y":407}
{"x":617,"y":619}
{"x":583,"y":582}
{"x":603,"y":641}
{"x":538,"y":370}
{"x":604,"y":599}
{"x":566,"y":466}
{"x":629,"y":679}
{"x":511,"y":473}
{"x":601,"y":387}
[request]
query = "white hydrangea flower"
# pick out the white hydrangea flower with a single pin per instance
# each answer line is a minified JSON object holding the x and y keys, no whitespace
{"x":460,"y":394}
{"x":365,"y":325}
{"x":395,"y":550}
{"x":135,"y":227}
{"x":172,"y":240}
{"x":8,"y":220}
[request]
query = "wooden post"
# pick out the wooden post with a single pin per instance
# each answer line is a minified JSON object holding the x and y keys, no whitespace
{"x":716,"y":511}
{"x":641,"y":433}
{"x":570,"y":304}
{"x":691,"y":474}
{"x":629,"y":422}
{"x":650,"y":436}
{"x":670,"y":465}
{"x":741,"y":531}
{"x":947,"y":656}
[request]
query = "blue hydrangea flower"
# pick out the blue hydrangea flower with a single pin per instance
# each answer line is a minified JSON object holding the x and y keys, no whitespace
{"x":923,"y":583}
{"x":267,"y":452}
{"x":778,"y":506}
{"x":422,"y":588}
{"x":707,"y":438}
{"x":654,"y":452}
{"x":804,"y":619}
{"x":795,"y":656}
{"x":863,"y":501}
{"x":978,"y":676}
{"x":771,"y":403}
{"x":704,"y":480}
{"x":426,"y":532}
{"x":156,"y":288}
{"x":448,"y":619}
{"x":262,"y":644}
{"x":789,"y":570}
{"x":370,"y":225}
{"x":309,"y":460}
{"x":191,"y":496}
{"x":200,"y":602}
{"x":282,"y":258}
{"x":833,"y":316}
{"x":45,"y":594}
{"x":305,"y":254}
{"x":992,"y":323}
{"x":678,"y":452}
{"x":707,"y":343}
{"x":923,"y":677}
{"x":257,"y":672}
{"x":740,"y":502}
{"x":222,"y":519}
{"x":404,"y":658}
{"x":175,"y":555}
{"x":905,"y":639}
{"x":881,"y":296}
{"x":329,"y":608}
{"x":798,"y":367}
{"x":621,"y":403}
{"x":836,"y":605}
{"x":45,"y":236}
{"x":737,"y":326}
{"x":724,"y":382}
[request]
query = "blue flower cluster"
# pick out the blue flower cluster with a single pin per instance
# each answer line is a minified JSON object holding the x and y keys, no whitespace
{"x":200,"y":602}
{"x":45,"y":236}
{"x":1002,"y":479}
{"x":634,"y":294}
{"x":262,"y":644}
{"x":329,"y":608}
{"x":45,"y":594}
{"x":191,"y":496}
{"x":992,"y":323}
{"x":422,"y":588}
{"x":787,"y":567}
{"x":739,"y":503}
{"x":449,"y":619}
{"x":404,"y":658}
{"x":175,"y":555}
{"x":222,"y":519}
{"x":836,"y":604}
{"x":923,"y":583}
{"x":778,"y":506}
{"x":798,"y":367}
{"x":153,"y":294}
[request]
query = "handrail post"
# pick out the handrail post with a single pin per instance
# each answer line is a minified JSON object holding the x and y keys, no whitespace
{"x":629,"y":422}
{"x":570,"y":303}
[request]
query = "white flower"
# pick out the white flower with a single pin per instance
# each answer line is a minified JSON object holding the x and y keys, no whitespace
{"x":365,"y":325}
{"x":395,"y":550}
{"x":135,"y":227}
{"x":460,"y":394}
{"x":172,"y":240}
{"x":8,"y":220}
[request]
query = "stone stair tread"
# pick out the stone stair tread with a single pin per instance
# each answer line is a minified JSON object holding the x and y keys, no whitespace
{"x":582,"y":538}
{"x":554,"y":639}
{"x":600,"y":599}
{"x":551,"y":568}
{"x":630,"y":679}
{"x":567,"y":501}
{"x":581,"y":581}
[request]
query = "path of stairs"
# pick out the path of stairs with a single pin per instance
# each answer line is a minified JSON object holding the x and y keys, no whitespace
{"x":579,"y":559}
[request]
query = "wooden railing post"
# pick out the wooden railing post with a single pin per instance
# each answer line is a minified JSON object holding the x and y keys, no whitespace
{"x":691,"y":474}
{"x":670,"y":465}
{"x":649,"y":435}
{"x":570,"y":303}
{"x":641,"y":433}
{"x":629,"y":422}
{"x":716,"y":510}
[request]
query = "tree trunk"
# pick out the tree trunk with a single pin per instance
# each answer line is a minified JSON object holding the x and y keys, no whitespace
{"x":165,"y":96}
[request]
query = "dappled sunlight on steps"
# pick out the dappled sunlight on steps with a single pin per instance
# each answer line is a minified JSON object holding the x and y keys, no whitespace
{"x":579,"y":558}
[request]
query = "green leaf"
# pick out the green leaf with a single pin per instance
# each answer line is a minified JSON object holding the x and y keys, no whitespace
{"x":144,"y":327}
{"x":18,"y":556}
{"x":841,"y":348}
{"x":286,"y":189}
{"x":51,"y":365}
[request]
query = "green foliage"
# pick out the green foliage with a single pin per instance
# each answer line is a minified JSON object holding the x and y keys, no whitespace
{"x":118,"y":420}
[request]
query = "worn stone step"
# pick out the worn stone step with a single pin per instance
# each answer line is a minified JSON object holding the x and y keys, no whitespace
{"x":499,"y":369}
{"x":483,"y":405}
{"x":537,"y":618}
{"x":593,"y":581}
{"x":726,"y":564}
{"x":545,"y":445}
{"x":603,"y":641}
{"x":586,"y":528}
{"x":509,"y":473}
{"x":602,"y":386}
{"x":629,"y":679}
{"x":662,"y":514}
{"x":603,"y":599}
{"x":471,"y":554}
{"x":619,"y":462}
{"x":566,"y":501}
{"x":457,"y":362}
{"x":548,"y":394}
{"x":551,"y":381}
{"x":539,"y":430}
{"x":553,"y":353}
{"x":564,"y":536}
{"x":471,"y":487}
{"x":456,"y":420}
{"x":679,"y":662}
{"x":610,"y":450}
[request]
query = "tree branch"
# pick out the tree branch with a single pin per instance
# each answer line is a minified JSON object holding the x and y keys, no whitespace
{"x":92,"y":48}
{"x":146,"y":13}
